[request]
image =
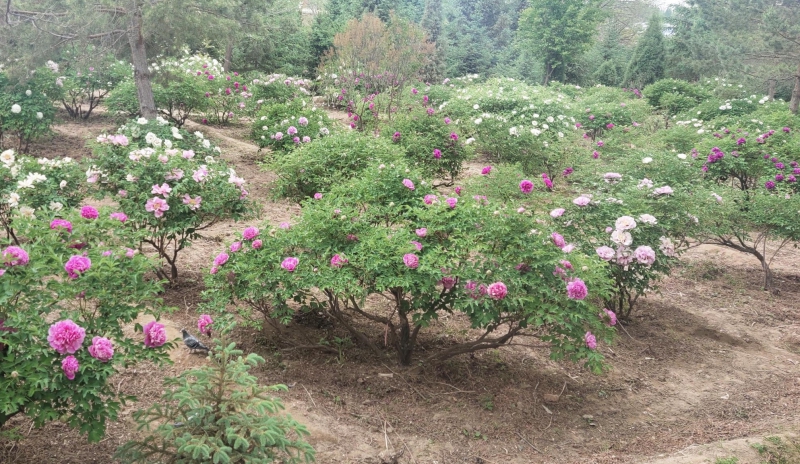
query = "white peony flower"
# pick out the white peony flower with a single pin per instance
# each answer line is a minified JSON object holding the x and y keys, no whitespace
{"x":7,"y":157}
{"x":13,"y":199}
{"x":648,"y":219}
{"x":16,"y":109}
{"x":682,"y":156}
{"x":39,"y":115}
{"x":27,"y":212}
{"x":621,"y":237}
{"x":56,"y":206}
{"x":28,"y":92}
{"x":141,"y":121}
{"x":647,"y":160}
{"x":625,"y":223}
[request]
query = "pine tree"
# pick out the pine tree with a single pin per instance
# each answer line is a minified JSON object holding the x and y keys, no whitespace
{"x":647,"y":63}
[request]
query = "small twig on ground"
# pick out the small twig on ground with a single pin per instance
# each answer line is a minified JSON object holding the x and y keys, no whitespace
{"x":406,"y":382}
{"x":309,"y":395}
{"x":529,"y":443}
{"x":562,"y":389}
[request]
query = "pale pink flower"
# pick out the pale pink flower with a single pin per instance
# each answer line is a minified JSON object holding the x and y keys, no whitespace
{"x":163,"y":189}
{"x":408,"y":184}
{"x":591,"y":341}
{"x":558,"y":239}
{"x":665,"y":190}
{"x":70,"y":366}
{"x":421,"y":232}
{"x":284,"y":225}
{"x":430,"y":199}
{"x":188,"y":154}
{"x":621,"y":237}
{"x":290,"y":263}
{"x":101,"y":349}
{"x":451,"y":202}
{"x":557,"y":212}
{"x":411,"y":260}
{"x":204,"y":324}
{"x":236,"y":246}
{"x":605,"y":253}
{"x":582,"y":200}
{"x":625,"y":223}
{"x":123,"y":193}
{"x":200,"y":174}
{"x":154,"y":334}
{"x":318,"y":196}
{"x":338,"y":260}
{"x":576,"y":289}
{"x":193,"y":203}
{"x":612,"y":317}
{"x":417,"y":245}
{"x":157,"y":206}
{"x":568,"y":248}
{"x":66,"y":337}
{"x":645,"y":255}
{"x":497,"y":290}
{"x":257,"y":244}
{"x":121,"y":217}
{"x":130,"y":253}
{"x":666,"y":246}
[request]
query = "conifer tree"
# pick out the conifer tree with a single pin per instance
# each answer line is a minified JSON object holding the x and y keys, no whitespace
{"x":647,"y":63}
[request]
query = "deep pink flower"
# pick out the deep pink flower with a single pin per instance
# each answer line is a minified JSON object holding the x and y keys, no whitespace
{"x":453,"y":136}
{"x":77,"y":265}
{"x":155,"y":334}
{"x":497,"y":290}
{"x":612,"y":317}
{"x":451,"y":202}
{"x":70,"y":366}
{"x":591,"y":341}
{"x":338,"y":260}
{"x":221,"y":259}
{"x":408,"y":184}
{"x":66,"y":337}
{"x":437,"y":153}
{"x":486,"y":170}
{"x":250,"y":233}
{"x":595,"y":154}
{"x":600,"y":143}
{"x":257,"y":244}
{"x":548,"y":183}
{"x":101,"y":349}
{"x":236,"y":246}
{"x":61,"y":223}
{"x":430,"y":199}
{"x":318,"y":196}
{"x":526,"y":186}
{"x":576,"y":289}
{"x":290,"y":263}
{"x":411,"y":260}
{"x":458,"y":190}
{"x":204,"y":324}
{"x":89,"y":212}
{"x":447,"y":120}
{"x":421,"y":232}
{"x":558,"y":239}
{"x":121,"y":217}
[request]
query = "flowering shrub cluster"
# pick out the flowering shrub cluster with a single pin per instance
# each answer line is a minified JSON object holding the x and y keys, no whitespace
{"x":67,"y":293}
{"x":85,"y":86}
{"x":427,"y":252}
{"x":26,"y":108}
{"x":285,"y":126}
{"x":170,"y":183}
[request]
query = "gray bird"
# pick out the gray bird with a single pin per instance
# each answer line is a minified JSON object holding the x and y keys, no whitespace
{"x":191,"y":342}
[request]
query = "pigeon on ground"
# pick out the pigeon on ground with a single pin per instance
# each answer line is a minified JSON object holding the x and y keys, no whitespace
{"x":191,"y":342}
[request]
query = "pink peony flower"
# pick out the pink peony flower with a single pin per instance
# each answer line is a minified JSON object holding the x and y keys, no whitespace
{"x":591,"y":341}
{"x":290,"y":263}
{"x":61,"y":223}
{"x":154,"y":334}
{"x":595,"y":154}
{"x":497,"y":290}
{"x":157,"y":206}
{"x":451,"y":202}
{"x":612,"y":317}
{"x":123,"y":193}
{"x":250,"y":233}
{"x":284,"y":225}
{"x":576,"y":289}
{"x":200,"y":174}
{"x":70,"y":367}
{"x":204,"y":324}
{"x":163,"y":189}
{"x":318,"y":196}
{"x":66,"y":337}
{"x":121,"y":217}
{"x":526,"y":186}
{"x":417,"y":245}
{"x":338,"y":261}
{"x":665,"y":190}
{"x":101,"y":349}
{"x":77,"y":265}
{"x":302,"y":121}
{"x":548,"y":183}
{"x":437,"y":153}
{"x":645,"y":255}
{"x":257,"y":244}
{"x":558,"y":239}
{"x":458,"y":190}
{"x":582,"y":200}
{"x":430,"y":199}
{"x":89,"y":212}
{"x":486,"y":170}
{"x":605,"y":253}
{"x":408,"y":184}
{"x":236,"y":246}
{"x":557,"y":212}
{"x":600,"y":143}
{"x":188,"y":154}
{"x":130,"y":253}
{"x":568,"y":248}
{"x":192,"y":203}
{"x":411,"y":260}
{"x":421,"y":232}
{"x":221,"y":259}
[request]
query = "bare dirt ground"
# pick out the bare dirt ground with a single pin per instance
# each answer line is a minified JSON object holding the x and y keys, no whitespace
{"x":704,"y":369}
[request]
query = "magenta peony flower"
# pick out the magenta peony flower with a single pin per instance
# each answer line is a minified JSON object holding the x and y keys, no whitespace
{"x":396,"y":137}
{"x":605,"y":253}
{"x":221,"y":259}
{"x":526,"y":186}
{"x":235,"y":246}
{"x":497,"y":290}
{"x":77,"y":265}
{"x":66,"y":337}
{"x":421,"y":232}
{"x":576,"y":290}
{"x":318,"y":196}
{"x":121,"y":217}
{"x":70,"y":367}
{"x":548,"y":183}
{"x":595,"y":154}
{"x":486,"y":170}
{"x":89,"y":212}
{"x":257,"y":244}
{"x":557,"y":212}
{"x":645,"y":255}
{"x":411,"y":260}
{"x":558,"y":240}
{"x":600,"y":143}
{"x":451,"y":202}
{"x":459,"y":188}
{"x":610,"y":126}
{"x":338,"y":261}
{"x":101,"y":349}
{"x":430,"y":199}
{"x":204,"y":324}
{"x":591,"y":341}
{"x":453,"y":136}
{"x":417,"y":245}
{"x":290,"y":263}
{"x":154,"y":334}
{"x":612,"y":317}
{"x":61,"y":223}
{"x":15,"y":256}
{"x":250,"y":233}
{"x":437,"y":153}
{"x":408,"y":184}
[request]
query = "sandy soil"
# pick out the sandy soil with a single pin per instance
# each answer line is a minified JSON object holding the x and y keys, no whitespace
{"x":705,"y":368}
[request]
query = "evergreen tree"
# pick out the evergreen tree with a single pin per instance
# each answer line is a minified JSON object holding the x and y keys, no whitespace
{"x":432,"y":19}
{"x":647,"y":63}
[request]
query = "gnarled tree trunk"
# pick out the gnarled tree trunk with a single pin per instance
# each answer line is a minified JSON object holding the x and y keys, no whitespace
{"x":141,"y":73}
{"x":795,"y":103}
